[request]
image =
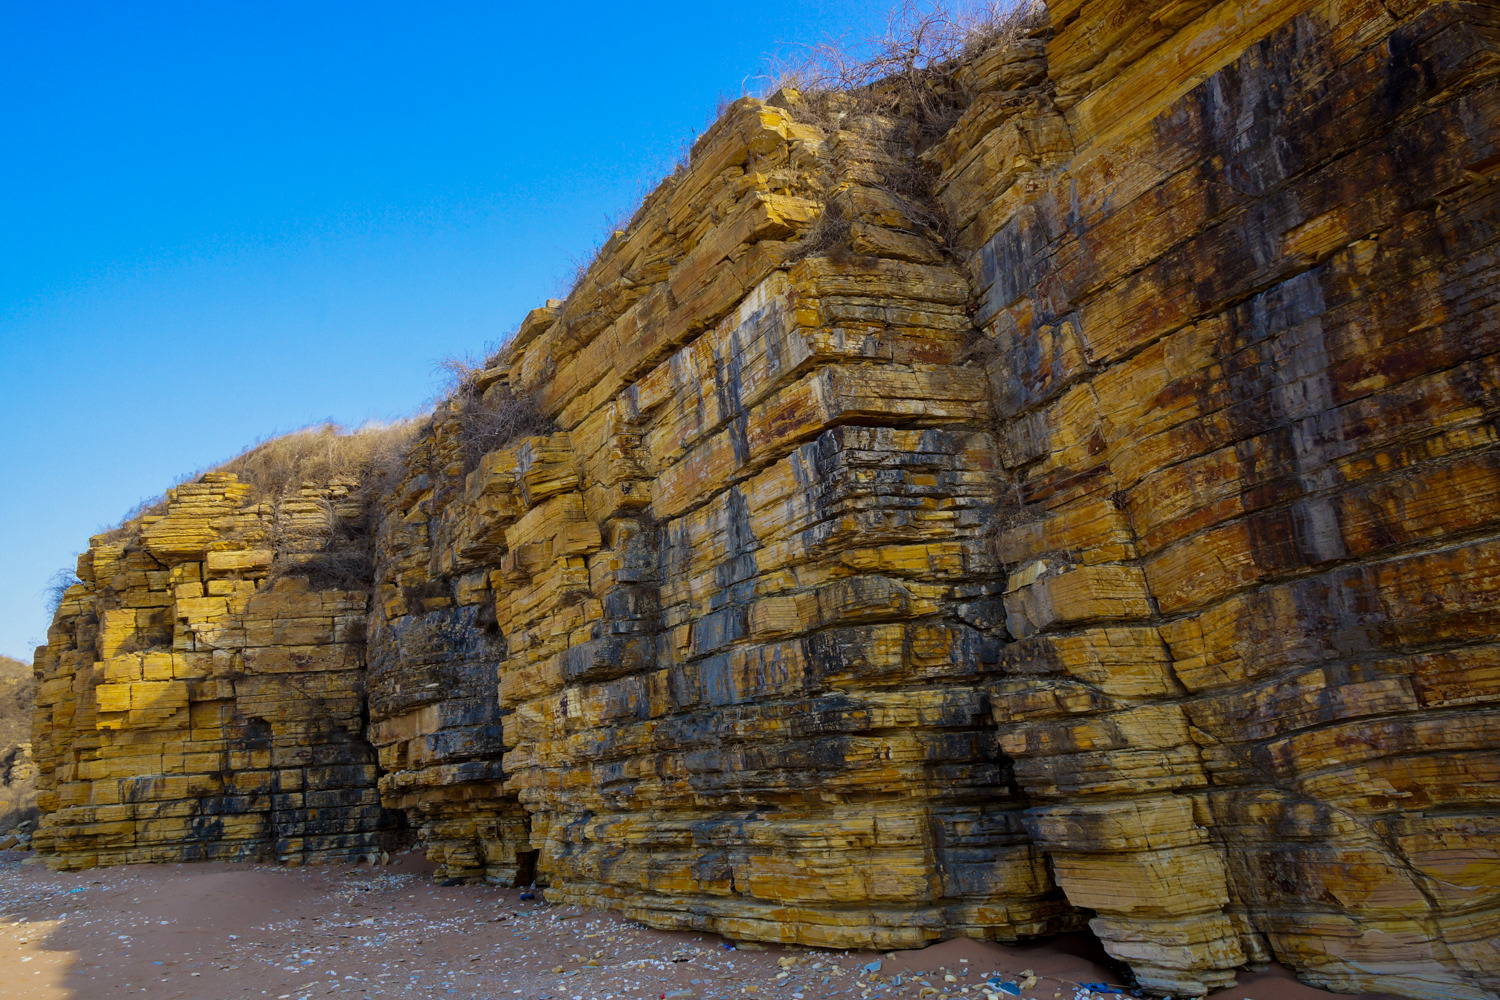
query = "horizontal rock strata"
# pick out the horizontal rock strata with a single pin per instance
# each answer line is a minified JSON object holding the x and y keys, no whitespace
{"x":187,"y":709}
{"x":18,"y":811}
{"x":1240,"y":319}
{"x":1078,"y":509}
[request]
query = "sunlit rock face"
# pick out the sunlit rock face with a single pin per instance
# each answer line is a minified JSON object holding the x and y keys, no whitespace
{"x":1083,"y":513}
{"x":1237,"y":264}
{"x":190,"y":708}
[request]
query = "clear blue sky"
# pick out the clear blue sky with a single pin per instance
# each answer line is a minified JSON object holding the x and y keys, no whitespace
{"x":219,"y":221}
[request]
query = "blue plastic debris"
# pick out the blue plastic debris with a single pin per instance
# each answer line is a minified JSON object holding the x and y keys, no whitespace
{"x":1012,"y":988}
{"x":1101,"y":988}
{"x":872,"y":966}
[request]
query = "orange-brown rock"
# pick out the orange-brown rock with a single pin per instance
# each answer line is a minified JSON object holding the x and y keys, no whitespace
{"x":433,"y":715}
{"x":188,"y":708}
{"x":1236,"y":262}
{"x":1082,"y":510}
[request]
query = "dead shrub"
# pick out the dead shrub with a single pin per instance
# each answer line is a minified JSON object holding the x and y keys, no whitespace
{"x":351,"y":569}
{"x":980,"y":349}
{"x":829,"y":236}
{"x":490,"y":417}
{"x":900,"y":90}
{"x":57,"y":589}
{"x":908,"y":69}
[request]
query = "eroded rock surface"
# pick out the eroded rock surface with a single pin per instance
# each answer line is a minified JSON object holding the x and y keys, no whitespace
{"x":1241,"y":286}
{"x":1100,"y":531}
{"x":189,"y":709}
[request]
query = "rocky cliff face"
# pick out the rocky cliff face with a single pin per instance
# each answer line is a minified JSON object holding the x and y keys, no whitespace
{"x":1237,"y":261}
{"x":1082,"y":513}
{"x":191,"y":708}
{"x":17,"y":772}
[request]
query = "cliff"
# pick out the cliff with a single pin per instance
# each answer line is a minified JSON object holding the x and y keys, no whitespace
{"x":194,"y":702}
{"x":1057,"y":488}
{"x":17,"y":773}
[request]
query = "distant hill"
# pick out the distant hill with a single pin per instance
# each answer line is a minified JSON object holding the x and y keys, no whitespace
{"x":17,"y":775}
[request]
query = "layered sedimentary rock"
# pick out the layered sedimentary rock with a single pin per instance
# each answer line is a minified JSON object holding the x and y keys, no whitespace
{"x":434,"y":649}
{"x":1081,"y":510}
{"x":190,"y":709}
{"x":1237,"y":262}
{"x":745,"y":596}
{"x":17,"y":772}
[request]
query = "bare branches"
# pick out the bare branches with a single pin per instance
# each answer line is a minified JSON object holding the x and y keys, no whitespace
{"x":490,"y":415}
{"x":919,"y":40}
{"x":57,"y":588}
{"x":885,"y":100}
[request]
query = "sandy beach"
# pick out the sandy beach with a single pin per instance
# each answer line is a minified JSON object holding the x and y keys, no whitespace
{"x":220,"y":931}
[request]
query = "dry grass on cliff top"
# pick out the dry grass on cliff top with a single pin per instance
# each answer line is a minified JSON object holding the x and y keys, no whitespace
{"x":902,"y":89}
{"x":901,"y":80}
{"x":323,"y":454}
{"x":909,"y":67}
{"x":365,"y":458}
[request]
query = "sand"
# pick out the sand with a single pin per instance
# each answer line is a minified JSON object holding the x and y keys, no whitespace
{"x":220,"y":931}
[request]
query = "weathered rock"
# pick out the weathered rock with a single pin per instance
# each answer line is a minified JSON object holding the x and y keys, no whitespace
{"x":189,"y":709}
{"x":1236,"y":262}
{"x":1109,"y":538}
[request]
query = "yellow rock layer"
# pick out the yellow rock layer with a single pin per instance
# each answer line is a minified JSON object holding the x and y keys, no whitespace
{"x":187,"y":709}
{"x":1109,"y":538}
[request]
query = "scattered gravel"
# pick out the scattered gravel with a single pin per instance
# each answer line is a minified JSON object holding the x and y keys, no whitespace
{"x":221,"y":931}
